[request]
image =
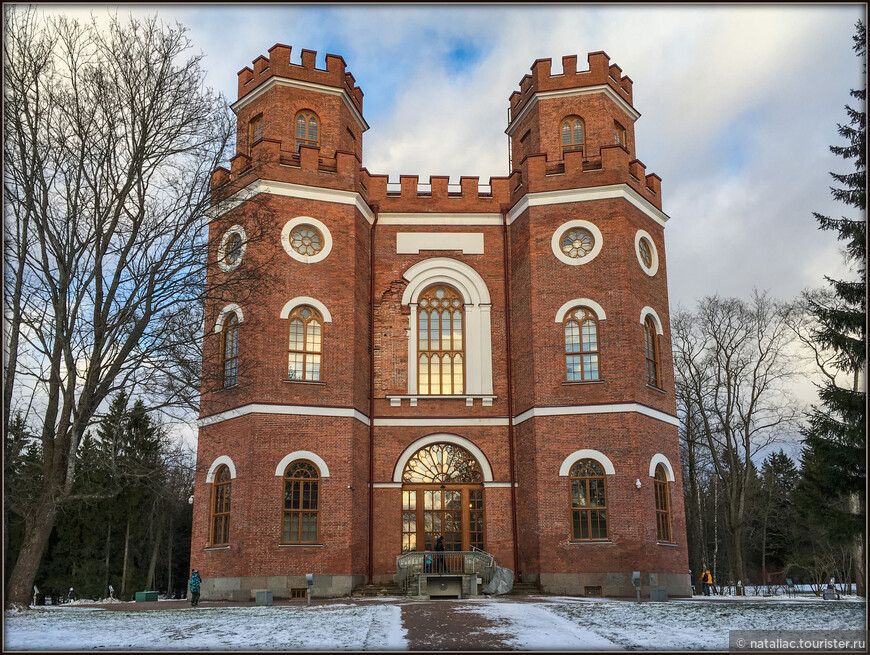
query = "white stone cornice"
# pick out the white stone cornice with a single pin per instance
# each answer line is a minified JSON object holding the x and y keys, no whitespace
{"x":309,"y":86}
{"x":616,"y":408}
{"x":585,"y":195}
{"x":440,"y":422}
{"x":287,"y":410}
{"x":422,"y":218}
{"x":291,"y":190}
{"x":606,"y":89}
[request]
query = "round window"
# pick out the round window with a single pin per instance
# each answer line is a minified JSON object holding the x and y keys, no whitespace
{"x":647,"y":256}
{"x":645,"y":250}
{"x":577,"y":242}
{"x":232,"y":248}
{"x":233,"y":252}
{"x":306,"y":240}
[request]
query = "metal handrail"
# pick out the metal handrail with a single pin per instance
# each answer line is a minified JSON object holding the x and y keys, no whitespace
{"x":409,"y":566}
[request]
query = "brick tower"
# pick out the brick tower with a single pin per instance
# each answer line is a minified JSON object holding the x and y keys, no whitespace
{"x":385,"y":364}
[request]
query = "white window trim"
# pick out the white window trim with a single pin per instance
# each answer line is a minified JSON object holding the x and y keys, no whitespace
{"x":478,"y":329}
{"x":222,"y":249}
{"x":577,"y":455}
{"x":657,"y":459}
{"x":565,"y":259}
{"x":231,"y":308}
{"x":580,"y":302}
{"x":654,"y":267}
{"x":649,"y":311}
{"x":298,"y":301}
{"x":215,"y":465}
{"x":302,"y":454}
{"x":477,"y":453}
{"x":306,"y":259}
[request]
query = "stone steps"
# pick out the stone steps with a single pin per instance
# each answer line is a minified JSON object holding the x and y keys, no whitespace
{"x":377,"y":590}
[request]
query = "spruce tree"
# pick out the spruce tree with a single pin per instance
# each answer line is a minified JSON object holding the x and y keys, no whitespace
{"x":831,"y":492}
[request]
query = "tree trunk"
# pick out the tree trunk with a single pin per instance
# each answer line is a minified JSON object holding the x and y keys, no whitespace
{"x":169,"y":593}
{"x":737,"y":559}
{"x":108,"y":553}
{"x":155,"y":550}
{"x":37,"y":530}
{"x":126,"y":555}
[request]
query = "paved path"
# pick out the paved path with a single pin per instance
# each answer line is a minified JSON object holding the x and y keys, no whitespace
{"x":441,"y":625}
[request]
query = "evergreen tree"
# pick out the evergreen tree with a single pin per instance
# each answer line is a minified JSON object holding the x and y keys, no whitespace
{"x":832,"y":488}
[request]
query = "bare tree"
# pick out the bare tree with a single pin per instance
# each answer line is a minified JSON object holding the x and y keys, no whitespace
{"x":111,"y":139}
{"x":732,"y":362}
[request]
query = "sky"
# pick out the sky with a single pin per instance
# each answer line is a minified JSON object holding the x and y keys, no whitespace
{"x":739,"y":105}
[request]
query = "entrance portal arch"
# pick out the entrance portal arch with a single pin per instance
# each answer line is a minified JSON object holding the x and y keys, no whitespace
{"x":442,"y":495}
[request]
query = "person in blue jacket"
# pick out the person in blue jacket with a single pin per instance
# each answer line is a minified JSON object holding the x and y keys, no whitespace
{"x":195,"y":582}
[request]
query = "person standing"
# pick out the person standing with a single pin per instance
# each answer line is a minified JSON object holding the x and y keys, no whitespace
{"x":706,"y":582}
{"x":439,"y":554}
{"x":692,"y":581}
{"x":195,"y":582}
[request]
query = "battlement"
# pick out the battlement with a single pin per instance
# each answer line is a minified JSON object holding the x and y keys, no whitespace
{"x":600,"y":71}
{"x":469,"y":189}
{"x":277,"y":64}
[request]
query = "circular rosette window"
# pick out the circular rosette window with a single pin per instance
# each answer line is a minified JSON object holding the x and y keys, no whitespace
{"x":306,"y":239}
{"x":647,"y":255}
{"x":232,"y":248}
{"x":576,"y":242}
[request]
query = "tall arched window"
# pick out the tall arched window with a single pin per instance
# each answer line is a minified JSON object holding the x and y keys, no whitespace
{"x":663,"y":505}
{"x":306,"y":129}
{"x":441,"y":343}
{"x":573,"y":132}
{"x":301,"y":503}
{"x":588,"y":501}
{"x":220,"y":516}
{"x":230,"y":350}
{"x":255,"y":131}
{"x":651,"y":349}
{"x":581,"y":345}
{"x":306,"y":344}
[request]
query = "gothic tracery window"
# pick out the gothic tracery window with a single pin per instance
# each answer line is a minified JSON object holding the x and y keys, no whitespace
{"x":306,"y":344}
{"x":588,"y":501}
{"x":651,"y":350}
{"x":307,"y":129}
{"x":573,"y":134}
{"x":441,"y":342}
{"x":220,"y":517}
{"x":581,"y":345}
{"x":301,"y":503}
{"x":663,"y":505}
{"x":230,"y":351}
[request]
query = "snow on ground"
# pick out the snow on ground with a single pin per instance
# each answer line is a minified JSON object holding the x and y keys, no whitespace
{"x":320,"y":627}
{"x":539,"y":623}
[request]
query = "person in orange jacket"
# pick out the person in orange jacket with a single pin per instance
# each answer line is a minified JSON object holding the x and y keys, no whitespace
{"x":706,"y":582}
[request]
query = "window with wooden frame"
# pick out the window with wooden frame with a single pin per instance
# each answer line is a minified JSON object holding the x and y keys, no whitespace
{"x":255,"y":131}
{"x":301,"y":503}
{"x":651,"y":350}
{"x":573,"y":131}
{"x":307,"y":129}
{"x":230,"y":351}
{"x":663,"y":505}
{"x":306,"y":344}
{"x":220,"y":515}
{"x":441,"y":342}
{"x":619,"y":135}
{"x":588,"y":501}
{"x":581,"y":345}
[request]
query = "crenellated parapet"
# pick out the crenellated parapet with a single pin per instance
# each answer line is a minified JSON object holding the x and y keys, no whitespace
{"x":277,"y":64}
{"x":409,"y":195}
{"x":600,"y":72}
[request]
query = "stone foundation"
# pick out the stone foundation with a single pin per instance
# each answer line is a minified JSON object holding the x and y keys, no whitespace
{"x":615,"y":585}
{"x":281,"y":586}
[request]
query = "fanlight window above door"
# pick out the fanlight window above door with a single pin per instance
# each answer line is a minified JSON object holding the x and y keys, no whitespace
{"x":442,"y":463}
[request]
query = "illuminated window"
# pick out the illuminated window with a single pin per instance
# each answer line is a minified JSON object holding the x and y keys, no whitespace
{"x":230,"y":350}
{"x":581,"y":345}
{"x":307,"y":129}
{"x":663,"y":505}
{"x":306,"y":344}
{"x":573,"y":133}
{"x":651,"y":349}
{"x":441,"y":350}
{"x":220,"y":517}
{"x":301,"y":503}
{"x":588,"y":501}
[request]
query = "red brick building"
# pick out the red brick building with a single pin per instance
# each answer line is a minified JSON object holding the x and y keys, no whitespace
{"x":385,"y":364}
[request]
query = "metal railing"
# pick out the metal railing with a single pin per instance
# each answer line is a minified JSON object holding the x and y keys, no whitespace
{"x":409,"y":566}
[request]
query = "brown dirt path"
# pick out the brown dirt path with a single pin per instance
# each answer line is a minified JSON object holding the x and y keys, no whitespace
{"x":450,"y":626}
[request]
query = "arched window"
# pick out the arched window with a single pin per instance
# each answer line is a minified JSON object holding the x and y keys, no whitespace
{"x":581,"y":345}
{"x":306,"y":129}
{"x":588,"y":501}
{"x":573,"y":134}
{"x":442,"y":496}
{"x":301,"y":503}
{"x":441,"y":349}
{"x":220,"y":516}
{"x":255,"y":131}
{"x":619,"y":135}
{"x":663,"y":505}
{"x":651,"y":349}
{"x":306,"y":344}
{"x":230,"y":350}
